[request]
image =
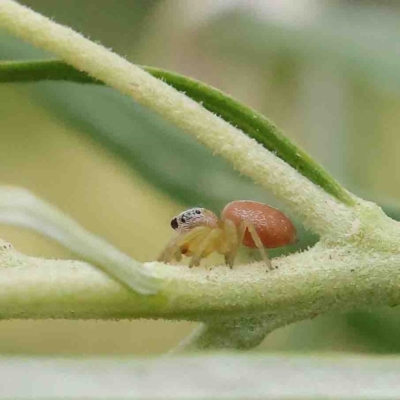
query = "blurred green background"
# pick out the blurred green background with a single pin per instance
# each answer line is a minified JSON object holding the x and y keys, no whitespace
{"x":326,"y":72}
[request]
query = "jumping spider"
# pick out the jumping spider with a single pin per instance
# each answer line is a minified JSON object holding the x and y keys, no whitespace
{"x":200,"y":232}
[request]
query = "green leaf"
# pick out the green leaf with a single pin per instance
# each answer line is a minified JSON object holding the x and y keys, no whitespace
{"x":35,"y":71}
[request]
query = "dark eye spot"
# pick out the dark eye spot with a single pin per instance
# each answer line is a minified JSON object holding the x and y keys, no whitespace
{"x":174,"y":223}
{"x":198,"y":212}
{"x":183,"y":219}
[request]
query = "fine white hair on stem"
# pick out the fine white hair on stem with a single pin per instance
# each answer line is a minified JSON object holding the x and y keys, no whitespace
{"x":320,"y":212}
{"x":306,"y":284}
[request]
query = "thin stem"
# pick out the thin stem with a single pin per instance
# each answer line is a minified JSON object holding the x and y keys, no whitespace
{"x":245,"y":118}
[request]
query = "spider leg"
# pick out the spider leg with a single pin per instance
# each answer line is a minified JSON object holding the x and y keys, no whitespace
{"x":167,"y":254}
{"x":232,"y":242}
{"x":177,"y":255}
{"x":198,"y":253}
{"x":254,"y":235}
{"x":172,"y":249}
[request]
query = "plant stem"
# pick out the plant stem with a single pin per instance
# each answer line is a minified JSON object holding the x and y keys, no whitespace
{"x":239,"y":306}
{"x":35,"y":288}
{"x":248,"y":120}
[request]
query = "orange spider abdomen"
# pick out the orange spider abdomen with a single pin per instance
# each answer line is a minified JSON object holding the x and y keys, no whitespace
{"x":273,"y":227}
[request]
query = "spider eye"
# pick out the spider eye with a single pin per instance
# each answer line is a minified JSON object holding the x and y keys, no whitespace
{"x":198,"y":212}
{"x":174,"y":223}
{"x":183,"y":219}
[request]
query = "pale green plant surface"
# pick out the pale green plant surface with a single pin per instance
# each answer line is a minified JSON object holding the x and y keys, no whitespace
{"x":272,"y":377}
{"x":355,"y":265}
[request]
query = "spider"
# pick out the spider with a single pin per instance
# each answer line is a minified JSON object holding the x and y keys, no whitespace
{"x":200,"y":232}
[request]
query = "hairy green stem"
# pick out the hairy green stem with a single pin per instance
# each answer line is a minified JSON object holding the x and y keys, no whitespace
{"x":248,"y":120}
{"x":239,"y":306}
{"x":246,"y":302}
{"x":304,"y":285}
{"x":250,"y":297}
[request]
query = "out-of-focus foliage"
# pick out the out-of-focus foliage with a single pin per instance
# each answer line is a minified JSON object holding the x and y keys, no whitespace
{"x":205,"y":377}
{"x":362,"y":41}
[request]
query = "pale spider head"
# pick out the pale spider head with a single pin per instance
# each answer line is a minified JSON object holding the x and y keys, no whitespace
{"x":193,"y":217}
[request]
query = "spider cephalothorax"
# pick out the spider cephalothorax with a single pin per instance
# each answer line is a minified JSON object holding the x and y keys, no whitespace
{"x":200,"y":232}
{"x":193,"y":217}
